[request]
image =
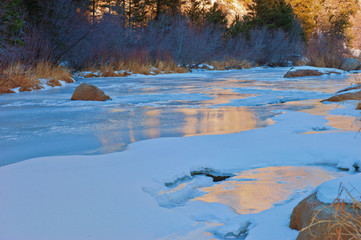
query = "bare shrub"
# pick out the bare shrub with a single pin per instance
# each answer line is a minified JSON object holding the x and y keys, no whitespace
{"x":265,"y":46}
{"x":183,"y":41}
{"x":325,"y":51}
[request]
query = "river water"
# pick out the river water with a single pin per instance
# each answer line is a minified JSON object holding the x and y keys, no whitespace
{"x":46,"y":122}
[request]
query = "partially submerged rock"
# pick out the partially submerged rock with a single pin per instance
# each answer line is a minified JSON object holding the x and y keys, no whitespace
{"x":354,"y":87}
{"x":87,"y":92}
{"x":350,"y":64}
{"x":344,"y":97}
{"x":312,"y":217}
{"x":90,"y":75}
{"x":302,"y":73}
{"x":308,"y":71}
{"x":54,"y":83}
{"x":358,"y":106}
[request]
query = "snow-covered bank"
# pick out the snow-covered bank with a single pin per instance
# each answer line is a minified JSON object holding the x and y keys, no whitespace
{"x":347,"y":189}
{"x":102,"y":197}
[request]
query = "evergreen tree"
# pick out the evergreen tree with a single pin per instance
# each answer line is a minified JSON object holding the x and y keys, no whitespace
{"x":340,"y":13}
{"x":201,"y":12}
{"x":137,"y":12}
{"x":34,"y":11}
{"x":159,"y":7}
{"x":271,"y":14}
{"x":11,"y":22}
{"x":236,"y":27}
{"x":196,"y":11}
{"x":216,"y":16}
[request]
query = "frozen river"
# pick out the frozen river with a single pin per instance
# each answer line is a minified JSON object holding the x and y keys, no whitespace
{"x":204,"y":155}
{"x":46,"y":123}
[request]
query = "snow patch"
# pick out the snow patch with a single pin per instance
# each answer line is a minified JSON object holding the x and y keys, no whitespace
{"x":345,"y":189}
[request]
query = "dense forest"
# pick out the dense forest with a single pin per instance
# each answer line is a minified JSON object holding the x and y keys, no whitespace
{"x":83,"y":34}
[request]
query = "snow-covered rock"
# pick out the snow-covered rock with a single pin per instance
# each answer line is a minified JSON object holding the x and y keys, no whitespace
{"x":313,"y":214}
{"x":307,"y":71}
{"x":346,"y":189}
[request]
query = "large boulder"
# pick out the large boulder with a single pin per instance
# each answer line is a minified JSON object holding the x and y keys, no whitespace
{"x":312,"y":217}
{"x":350,"y":64}
{"x":303,"y":216}
{"x":302,"y":73}
{"x":344,"y":97}
{"x":87,"y":92}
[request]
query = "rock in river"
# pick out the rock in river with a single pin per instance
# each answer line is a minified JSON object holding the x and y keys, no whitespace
{"x":344,"y":97}
{"x":302,"y":73}
{"x":87,"y":92}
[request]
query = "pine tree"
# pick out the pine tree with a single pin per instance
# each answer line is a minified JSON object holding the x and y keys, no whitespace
{"x":138,"y":12}
{"x":216,"y":16}
{"x":271,"y":14}
{"x":11,"y":22}
{"x":159,"y":7}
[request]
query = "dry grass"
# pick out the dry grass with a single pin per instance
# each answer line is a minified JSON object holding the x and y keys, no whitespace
{"x":15,"y":76}
{"x":169,"y":67}
{"x":345,"y":222}
{"x":135,"y":66}
{"x":49,"y":71}
{"x":230,"y":64}
{"x":27,"y":78}
{"x":345,"y":225}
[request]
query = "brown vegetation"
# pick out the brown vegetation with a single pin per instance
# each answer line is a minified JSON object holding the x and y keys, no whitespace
{"x":26,"y":78}
{"x":231,"y":64}
{"x":47,"y":70}
{"x":123,"y":68}
{"x":320,"y":221}
{"x":17,"y":76}
{"x":345,"y":221}
{"x":324,"y":51}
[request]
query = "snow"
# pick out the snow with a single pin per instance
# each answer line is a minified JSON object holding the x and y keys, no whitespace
{"x":148,"y":191}
{"x":322,"y":70}
{"x":347,"y":189}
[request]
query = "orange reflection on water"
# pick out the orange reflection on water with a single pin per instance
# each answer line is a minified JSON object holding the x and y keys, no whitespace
{"x":348,"y":123}
{"x":152,"y":123}
{"x":205,"y":121}
{"x":257,"y":190}
{"x":223,"y":96}
{"x":315,"y":107}
{"x":339,"y":122}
